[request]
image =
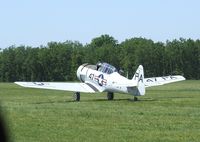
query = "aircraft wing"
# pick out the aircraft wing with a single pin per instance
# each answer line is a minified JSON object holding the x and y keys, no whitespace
{"x":75,"y":87}
{"x":156,"y":81}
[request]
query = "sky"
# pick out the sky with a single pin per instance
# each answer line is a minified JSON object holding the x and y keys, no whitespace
{"x":37,"y":22}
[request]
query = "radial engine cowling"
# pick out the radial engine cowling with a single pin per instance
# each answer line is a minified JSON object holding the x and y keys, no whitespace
{"x":82,"y":72}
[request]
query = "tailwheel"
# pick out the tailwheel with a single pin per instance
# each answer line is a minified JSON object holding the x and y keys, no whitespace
{"x":77,"y":96}
{"x":110,"y":96}
{"x":135,"y":99}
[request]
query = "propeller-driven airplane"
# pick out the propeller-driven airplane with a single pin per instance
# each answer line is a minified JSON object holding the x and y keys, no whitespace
{"x":104,"y":77}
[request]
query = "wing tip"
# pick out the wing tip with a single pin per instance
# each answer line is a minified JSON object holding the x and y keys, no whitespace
{"x":19,"y":83}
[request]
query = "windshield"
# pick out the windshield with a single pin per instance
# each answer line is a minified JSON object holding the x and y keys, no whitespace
{"x":107,"y":68}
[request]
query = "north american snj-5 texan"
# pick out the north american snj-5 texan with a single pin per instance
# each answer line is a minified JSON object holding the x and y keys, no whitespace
{"x":104,"y":77}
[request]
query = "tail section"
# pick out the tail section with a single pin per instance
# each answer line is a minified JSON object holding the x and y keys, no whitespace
{"x":139,"y":78}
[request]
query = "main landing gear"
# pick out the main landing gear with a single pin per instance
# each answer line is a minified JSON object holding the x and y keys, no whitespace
{"x":77,"y":96}
{"x":110,"y":96}
{"x":135,"y":99}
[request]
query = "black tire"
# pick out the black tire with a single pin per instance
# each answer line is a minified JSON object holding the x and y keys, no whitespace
{"x":77,"y":96}
{"x":110,"y":96}
{"x":135,"y":99}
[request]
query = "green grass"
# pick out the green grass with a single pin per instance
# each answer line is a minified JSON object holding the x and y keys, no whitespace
{"x":165,"y":113}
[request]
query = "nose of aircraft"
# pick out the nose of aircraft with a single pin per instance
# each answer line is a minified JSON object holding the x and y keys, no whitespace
{"x":78,"y":73}
{"x":81,"y":72}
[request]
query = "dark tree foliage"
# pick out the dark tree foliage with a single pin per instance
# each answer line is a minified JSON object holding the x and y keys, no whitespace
{"x":59,"y":61}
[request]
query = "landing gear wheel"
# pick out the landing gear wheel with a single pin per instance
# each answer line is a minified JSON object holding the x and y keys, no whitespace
{"x":77,"y":96}
{"x":110,"y":96}
{"x":135,"y":99}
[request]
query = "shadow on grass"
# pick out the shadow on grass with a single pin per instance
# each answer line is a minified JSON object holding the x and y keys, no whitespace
{"x":160,"y":98}
{"x":171,"y":98}
{"x":96,"y":100}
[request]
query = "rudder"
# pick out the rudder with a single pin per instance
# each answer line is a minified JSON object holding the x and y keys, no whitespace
{"x":139,"y":77}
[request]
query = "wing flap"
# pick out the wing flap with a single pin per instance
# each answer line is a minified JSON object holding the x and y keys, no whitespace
{"x":75,"y":87}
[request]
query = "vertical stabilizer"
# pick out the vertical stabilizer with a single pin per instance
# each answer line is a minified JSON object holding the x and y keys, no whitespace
{"x":139,"y":78}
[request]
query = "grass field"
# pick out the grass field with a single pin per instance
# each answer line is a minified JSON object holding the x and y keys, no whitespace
{"x":165,"y":113}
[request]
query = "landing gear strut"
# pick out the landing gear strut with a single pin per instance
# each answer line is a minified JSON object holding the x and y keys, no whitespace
{"x":77,"y":96}
{"x":135,"y":99}
{"x":110,"y":96}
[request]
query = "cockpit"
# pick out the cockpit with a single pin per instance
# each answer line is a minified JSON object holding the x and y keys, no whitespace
{"x":101,"y":67}
{"x":106,"y":68}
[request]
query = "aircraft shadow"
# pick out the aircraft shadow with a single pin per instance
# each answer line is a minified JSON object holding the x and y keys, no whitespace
{"x":104,"y":100}
{"x":95,"y":100}
{"x":53,"y":102}
{"x":116,"y":100}
{"x":178,"y":97}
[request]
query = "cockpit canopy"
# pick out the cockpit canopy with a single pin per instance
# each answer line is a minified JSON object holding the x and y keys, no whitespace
{"x":106,"y":68}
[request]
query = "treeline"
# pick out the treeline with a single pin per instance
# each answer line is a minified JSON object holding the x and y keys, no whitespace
{"x":59,"y":61}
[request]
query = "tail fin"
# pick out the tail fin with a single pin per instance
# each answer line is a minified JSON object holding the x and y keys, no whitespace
{"x":139,"y":77}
